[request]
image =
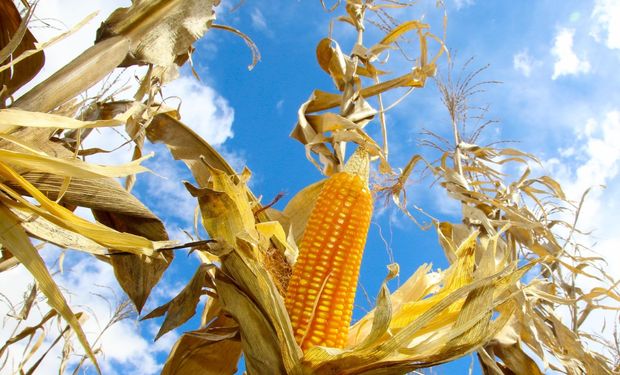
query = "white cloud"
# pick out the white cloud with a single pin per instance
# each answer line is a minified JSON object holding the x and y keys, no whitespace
{"x":202,"y":108}
{"x":258,"y":19}
{"x":523,"y":62}
{"x":593,"y":161}
{"x":445,"y":204}
{"x":606,"y":16}
{"x":597,"y":153}
{"x":566,"y":60}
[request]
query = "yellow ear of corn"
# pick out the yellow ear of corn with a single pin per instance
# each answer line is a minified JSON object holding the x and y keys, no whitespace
{"x":321,"y":291}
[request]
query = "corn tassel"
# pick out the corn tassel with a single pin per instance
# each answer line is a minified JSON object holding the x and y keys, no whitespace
{"x":322,"y":288}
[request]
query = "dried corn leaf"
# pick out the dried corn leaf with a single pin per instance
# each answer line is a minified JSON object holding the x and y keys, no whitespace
{"x":15,"y":238}
{"x":321,"y":101}
{"x":182,"y":307}
{"x":391,"y":37}
{"x":515,"y":359}
{"x":59,"y":215}
{"x":333,"y":61}
{"x":16,"y":117}
{"x":110,"y":200}
{"x":39,"y":162}
{"x":129,"y":35}
{"x":45,"y":230}
{"x":22,"y":141}
{"x":248,"y":41}
{"x":200,"y":157}
{"x":209,"y":351}
{"x":98,"y":194}
{"x":159,"y":30}
{"x":15,"y":39}
{"x":137,"y":274}
{"x":28,"y":303}
{"x":76,"y":77}
{"x":28,"y":331}
{"x":571,"y":352}
{"x":184,"y":144}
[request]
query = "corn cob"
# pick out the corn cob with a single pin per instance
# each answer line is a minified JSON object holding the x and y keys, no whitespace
{"x":321,"y":291}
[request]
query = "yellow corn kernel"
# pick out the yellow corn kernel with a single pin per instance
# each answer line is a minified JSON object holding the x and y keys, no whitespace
{"x":331,"y":247}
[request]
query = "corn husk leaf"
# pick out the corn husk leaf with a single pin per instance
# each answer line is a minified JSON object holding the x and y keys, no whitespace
{"x":249,"y":295}
{"x":409,"y":348}
{"x":209,"y":351}
{"x":225,"y":213}
{"x":298,"y":209}
{"x":272,"y":230}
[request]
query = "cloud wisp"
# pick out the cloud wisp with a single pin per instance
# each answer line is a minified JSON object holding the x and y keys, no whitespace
{"x":606,"y":17}
{"x":566,"y":60}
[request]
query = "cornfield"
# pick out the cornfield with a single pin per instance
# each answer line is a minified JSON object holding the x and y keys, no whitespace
{"x":280,"y":284}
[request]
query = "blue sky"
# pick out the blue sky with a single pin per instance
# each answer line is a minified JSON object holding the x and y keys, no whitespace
{"x":559,"y":100}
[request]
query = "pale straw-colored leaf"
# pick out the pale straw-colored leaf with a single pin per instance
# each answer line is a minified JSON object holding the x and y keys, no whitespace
{"x":15,"y":238}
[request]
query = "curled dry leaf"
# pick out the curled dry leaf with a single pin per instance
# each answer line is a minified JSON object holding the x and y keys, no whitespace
{"x":317,"y":132}
{"x":28,"y":331}
{"x":179,"y":24}
{"x":182,"y":307}
{"x":16,"y":39}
